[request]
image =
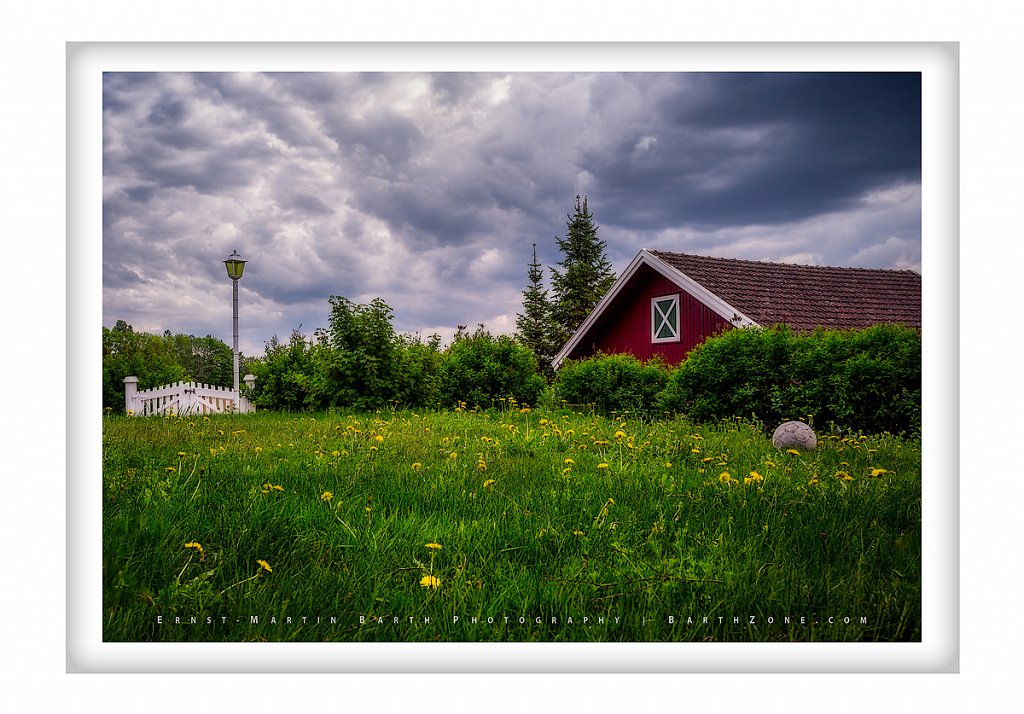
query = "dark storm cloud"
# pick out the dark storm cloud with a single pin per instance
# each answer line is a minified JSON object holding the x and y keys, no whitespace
{"x":428,"y":190}
{"x":727,"y":149}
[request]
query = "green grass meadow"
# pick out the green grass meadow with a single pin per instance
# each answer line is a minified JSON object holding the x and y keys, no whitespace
{"x":505,"y":525}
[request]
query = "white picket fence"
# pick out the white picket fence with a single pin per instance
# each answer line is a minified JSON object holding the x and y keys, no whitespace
{"x":183,"y":398}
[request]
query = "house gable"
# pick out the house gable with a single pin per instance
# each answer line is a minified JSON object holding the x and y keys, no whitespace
{"x":622,"y":321}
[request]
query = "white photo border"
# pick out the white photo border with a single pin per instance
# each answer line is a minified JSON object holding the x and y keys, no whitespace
{"x":939,"y":649}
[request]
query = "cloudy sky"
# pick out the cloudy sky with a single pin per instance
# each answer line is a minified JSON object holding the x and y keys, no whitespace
{"x":428,"y":190}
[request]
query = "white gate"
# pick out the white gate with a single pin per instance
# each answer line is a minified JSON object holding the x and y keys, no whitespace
{"x":183,"y":398}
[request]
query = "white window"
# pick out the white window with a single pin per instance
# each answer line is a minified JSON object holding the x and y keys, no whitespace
{"x":665,"y":319}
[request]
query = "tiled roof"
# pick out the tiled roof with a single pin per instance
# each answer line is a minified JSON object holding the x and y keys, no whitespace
{"x":806,"y":296}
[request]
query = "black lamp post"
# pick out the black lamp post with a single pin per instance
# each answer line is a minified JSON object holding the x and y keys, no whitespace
{"x":235,"y":265}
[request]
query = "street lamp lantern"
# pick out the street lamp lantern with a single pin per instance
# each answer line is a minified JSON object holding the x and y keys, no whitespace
{"x":235,"y":265}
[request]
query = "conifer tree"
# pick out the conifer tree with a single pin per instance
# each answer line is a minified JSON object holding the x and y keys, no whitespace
{"x":586,"y":274}
{"x":534,"y":324}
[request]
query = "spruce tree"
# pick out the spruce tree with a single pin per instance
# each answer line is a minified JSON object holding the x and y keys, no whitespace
{"x":534,"y":324}
{"x":586,"y":274}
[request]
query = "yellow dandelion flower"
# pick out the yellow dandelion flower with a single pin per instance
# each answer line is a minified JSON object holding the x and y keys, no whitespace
{"x":453,"y":455}
{"x":265,"y":565}
{"x":754,"y":477}
{"x":602,"y":466}
{"x":170,"y":469}
{"x":378,"y":438}
{"x":878,"y":472}
{"x":326,"y":496}
{"x":792,"y":451}
{"x":429,"y":581}
{"x":194,"y":546}
{"x":567,"y":470}
{"x":769,"y":464}
{"x":620,"y":434}
{"x":335,"y":453}
{"x":182,"y":454}
{"x":725,"y":477}
{"x":433,"y":546}
{"x":577,"y":533}
{"x":417,"y":466}
{"x":488,"y":483}
{"x":569,"y":462}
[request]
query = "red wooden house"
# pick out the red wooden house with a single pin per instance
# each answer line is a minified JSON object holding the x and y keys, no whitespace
{"x":668,"y":303}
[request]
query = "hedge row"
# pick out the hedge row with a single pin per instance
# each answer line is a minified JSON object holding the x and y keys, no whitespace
{"x":864,"y":380}
{"x":360,"y":363}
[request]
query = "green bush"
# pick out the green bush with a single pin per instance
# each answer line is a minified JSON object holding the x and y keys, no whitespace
{"x":284,"y":376}
{"x":865,"y":380}
{"x":868,"y":380}
{"x":735,"y":373}
{"x":617,"y":382}
{"x":358,"y":360}
{"x":480,"y":369}
{"x":416,"y":381}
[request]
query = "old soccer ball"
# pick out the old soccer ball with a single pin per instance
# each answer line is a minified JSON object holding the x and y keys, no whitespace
{"x":794,"y":435}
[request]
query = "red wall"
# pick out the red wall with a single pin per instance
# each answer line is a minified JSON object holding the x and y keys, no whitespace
{"x":625,"y":326}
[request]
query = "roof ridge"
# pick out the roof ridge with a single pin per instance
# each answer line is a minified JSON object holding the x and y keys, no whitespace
{"x":659,"y":253}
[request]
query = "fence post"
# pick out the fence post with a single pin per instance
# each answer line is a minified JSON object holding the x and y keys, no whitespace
{"x":131,"y":386}
{"x":249,"y":379}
